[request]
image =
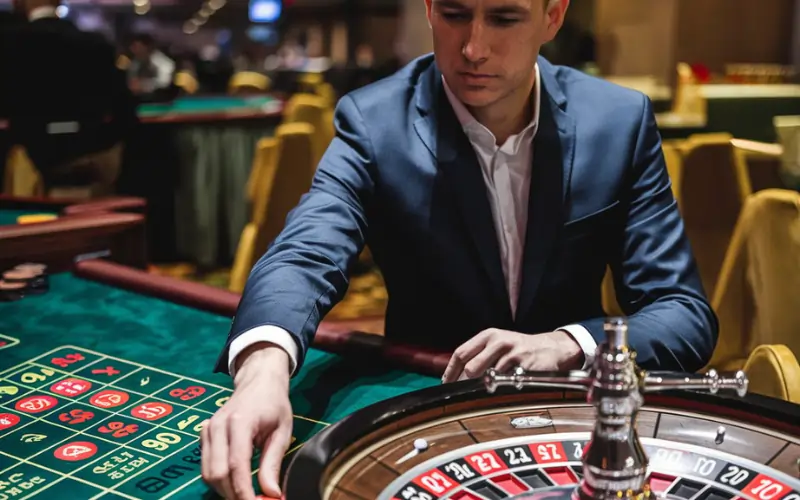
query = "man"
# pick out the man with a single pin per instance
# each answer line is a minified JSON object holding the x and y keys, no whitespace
{"x":493,"y":189}
{"x":151,"y":72}
{"x":65,"y":100}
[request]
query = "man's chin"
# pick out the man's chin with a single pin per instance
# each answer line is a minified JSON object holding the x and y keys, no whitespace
{"x":476,"y":97}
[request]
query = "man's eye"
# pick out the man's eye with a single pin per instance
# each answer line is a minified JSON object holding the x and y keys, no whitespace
{"x":504,"y":21}
{"x":455,"y":16}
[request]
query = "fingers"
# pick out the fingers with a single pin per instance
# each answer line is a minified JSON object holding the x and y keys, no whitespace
{"x":272,"y":457}
{"x":464,"y":355}
{"x":507,"y":362}
{"x":485,"y":359}
{"x":215,"y":456}
{"x":240,"y":439}
{"x":205,"y":453}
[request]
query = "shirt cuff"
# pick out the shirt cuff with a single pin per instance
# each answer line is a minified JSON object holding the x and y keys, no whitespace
{"x":585,"y":340}
{"x":267,"y":333}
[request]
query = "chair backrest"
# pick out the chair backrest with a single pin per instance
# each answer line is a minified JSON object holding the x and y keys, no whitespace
{"x":788,"y":130}
{"x":328,"y":94}
{"x":245,"y":82}
{"x":713,"y":185}
{"x":21,"y":177}
{"x":262,"y":177}
{"x":260,"y":185}
{"x":293,"y":176}
{"x":311,"y":109}
{"x":674,"y":162}
{"x":186,"y":81}
{"x":756,"y":300}
{"x":773,"y":371}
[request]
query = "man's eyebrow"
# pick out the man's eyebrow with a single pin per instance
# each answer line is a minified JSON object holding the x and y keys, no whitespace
{"x":450,"y":4}
{"x":508,"y":9}
{"x":496,"y":10}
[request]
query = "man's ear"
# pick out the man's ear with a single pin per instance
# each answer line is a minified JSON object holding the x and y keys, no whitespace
{"x":555,"y":13}
{"x":428,"y":6}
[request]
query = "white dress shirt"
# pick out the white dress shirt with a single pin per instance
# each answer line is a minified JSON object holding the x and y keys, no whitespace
{"x":164,"y":72}
{"x":507,"y":173}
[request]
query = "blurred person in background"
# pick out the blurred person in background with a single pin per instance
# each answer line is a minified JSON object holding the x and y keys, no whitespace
{"x":65,"y":100}
{"x":150,"y":70}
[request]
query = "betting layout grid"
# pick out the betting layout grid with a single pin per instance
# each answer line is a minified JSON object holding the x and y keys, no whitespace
{"x":7,"y":342}
{"x":93,"y":426}
{"x":494,"y":473}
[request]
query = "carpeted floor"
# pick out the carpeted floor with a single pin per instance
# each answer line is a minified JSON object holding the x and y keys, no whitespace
{"x":365,"y":297}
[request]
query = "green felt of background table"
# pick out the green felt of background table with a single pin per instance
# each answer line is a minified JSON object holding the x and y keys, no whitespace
{"x":186,"y":342}
{"x":9,"y":217}
{"x":209,"y":104}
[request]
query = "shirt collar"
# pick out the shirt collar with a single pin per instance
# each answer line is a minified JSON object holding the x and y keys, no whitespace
{"x":41,"y":13}
{"x":468,"y":121}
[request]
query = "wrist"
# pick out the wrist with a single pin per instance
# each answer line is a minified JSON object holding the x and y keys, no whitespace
{"x":572,"y":352}
{"x":262,"y":360}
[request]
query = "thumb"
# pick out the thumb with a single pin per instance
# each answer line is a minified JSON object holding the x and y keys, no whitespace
{"x":272,"y":457}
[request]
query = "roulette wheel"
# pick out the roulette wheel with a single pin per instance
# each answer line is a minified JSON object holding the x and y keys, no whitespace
{"x":614,"y":431}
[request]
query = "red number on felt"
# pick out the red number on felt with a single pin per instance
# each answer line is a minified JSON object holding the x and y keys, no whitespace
{"x":76,"y":416}
{"x":119,"y":429}
{"x":188,"y":393}
{"x":67,"y":360}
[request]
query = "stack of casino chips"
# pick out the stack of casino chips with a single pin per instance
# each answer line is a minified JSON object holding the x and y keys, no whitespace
{"x":23,"y":280}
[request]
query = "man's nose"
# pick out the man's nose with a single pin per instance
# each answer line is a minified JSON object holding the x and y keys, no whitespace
{"x":476,"y":48}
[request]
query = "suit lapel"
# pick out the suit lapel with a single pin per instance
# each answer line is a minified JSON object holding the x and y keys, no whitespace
{"x":553,"y":153}
{"x":440,"y":131}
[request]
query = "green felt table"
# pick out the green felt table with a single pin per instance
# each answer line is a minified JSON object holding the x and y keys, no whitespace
{"x":102,"y":390}
{"x":210,"y":107}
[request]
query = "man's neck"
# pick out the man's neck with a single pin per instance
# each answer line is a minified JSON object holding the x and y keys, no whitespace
{"x":508,"y":116}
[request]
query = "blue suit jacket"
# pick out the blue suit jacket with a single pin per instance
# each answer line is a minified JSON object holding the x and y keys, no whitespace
{"x":402,"y":177}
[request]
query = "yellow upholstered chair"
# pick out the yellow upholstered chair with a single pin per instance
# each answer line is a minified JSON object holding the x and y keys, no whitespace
{"x":773,"y":371}
{"x":674,"y":161}
{"x":309,"y":81}
{"x":244,"y":258}
{"x":262,"y":177}
{"x":186,"y":82}
{"x":21,"y":177}
{"x":787,"y":129}
{"x":259,"y":189}
{"x":311,"y":109}
{"x":713,"y":184}
{"x":756,"y":299}
{"x":293,"y":176}
{"x":245,"y":82}
{"x":326,"y":91}
{"x":282,"y":173}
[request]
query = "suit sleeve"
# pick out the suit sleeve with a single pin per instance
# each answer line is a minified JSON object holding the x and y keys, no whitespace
{"x":304,"y":273}
{"x":671,"y":324}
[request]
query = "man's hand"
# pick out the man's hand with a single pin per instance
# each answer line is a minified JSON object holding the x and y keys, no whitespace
{"x":258,"y":413}
{"x":505,"y":350}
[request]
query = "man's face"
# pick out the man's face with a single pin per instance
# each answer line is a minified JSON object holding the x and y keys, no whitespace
{"x":139,"y":50}
{"x":487,"y":49}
